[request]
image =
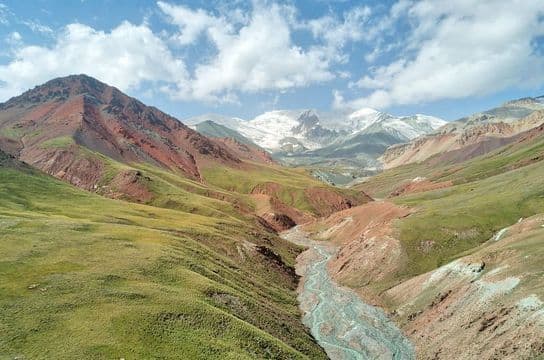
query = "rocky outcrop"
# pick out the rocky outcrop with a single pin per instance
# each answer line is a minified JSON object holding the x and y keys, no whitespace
{"x":277,"y":221}
{"x":326,"y":201}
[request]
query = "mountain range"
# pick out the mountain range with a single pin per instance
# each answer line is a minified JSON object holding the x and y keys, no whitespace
{"x":92,"y":135}
{"x":470,"y":136}
{"x":150,"y":238}
{"x":336,"y":146}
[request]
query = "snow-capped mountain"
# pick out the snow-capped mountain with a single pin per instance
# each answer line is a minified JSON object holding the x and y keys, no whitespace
{"x":313,"y":130}
{"x":351,"y":141}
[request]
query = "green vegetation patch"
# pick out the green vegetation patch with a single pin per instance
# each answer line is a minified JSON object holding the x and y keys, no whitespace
{"x":58,"y":142}
{"x":453,"y":220}
{"x":82,"y":276}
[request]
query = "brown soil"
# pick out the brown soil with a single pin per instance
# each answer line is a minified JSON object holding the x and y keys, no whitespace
{"x":128,"y":185}
{"x":276,"y":214}
{"x":325,"y":201}
{"x":282,"y":216}
{"x":470,"y":308}
{"x":66,"y":164}
{"x":368,"y":249}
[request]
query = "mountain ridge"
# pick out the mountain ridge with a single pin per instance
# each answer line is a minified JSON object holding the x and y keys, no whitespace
{"x":58,"y":119}
{"x":488,"y":130}
{"x":336,"y":146}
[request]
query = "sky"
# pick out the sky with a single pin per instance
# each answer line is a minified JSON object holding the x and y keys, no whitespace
{"x":447,"y":58}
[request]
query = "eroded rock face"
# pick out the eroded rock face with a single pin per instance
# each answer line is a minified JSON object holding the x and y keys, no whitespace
{"x":278,"y":222}
{"x":487,"y":305}
{"x":326,"y":201}
{"x":281,"y":216}
{"x":129,"y":185}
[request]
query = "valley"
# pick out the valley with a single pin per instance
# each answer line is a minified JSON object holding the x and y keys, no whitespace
{"x":127,"y":234}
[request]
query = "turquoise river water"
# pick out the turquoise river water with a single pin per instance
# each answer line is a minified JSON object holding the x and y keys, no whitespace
{"x":344,"y":325}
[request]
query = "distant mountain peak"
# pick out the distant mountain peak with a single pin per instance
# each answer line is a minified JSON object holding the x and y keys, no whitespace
{"x":307,"y":120}
{"x":539,"y":101}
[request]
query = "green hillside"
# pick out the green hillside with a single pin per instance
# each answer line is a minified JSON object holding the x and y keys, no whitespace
{"x":489,"y":193}
{"x":82,"y":276}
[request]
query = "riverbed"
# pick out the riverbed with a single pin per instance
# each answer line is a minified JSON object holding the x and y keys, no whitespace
{"x":344,"y":325}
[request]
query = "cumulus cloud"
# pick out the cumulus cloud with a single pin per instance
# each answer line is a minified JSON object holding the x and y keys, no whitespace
{"x":124,"y":57}
{"x":261,"y":56}
{"x":254,"y":56}
{"x":192,"y":23}
{"x":337,"y":32}
{"x":248,"y":50}
{"x":334,"y":31}
{"x":456,"y":49}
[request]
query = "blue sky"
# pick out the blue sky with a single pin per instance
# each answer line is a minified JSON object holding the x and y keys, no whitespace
{"x":446,"y":58}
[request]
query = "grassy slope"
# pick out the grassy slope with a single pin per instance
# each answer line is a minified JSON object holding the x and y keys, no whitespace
{"x":457,"y":219}
{"x":86,"y":277}
{"x":226,"y":190}
{"x":494,"y":163}
{"x":293,"y":183}
{"x":491,"y":192}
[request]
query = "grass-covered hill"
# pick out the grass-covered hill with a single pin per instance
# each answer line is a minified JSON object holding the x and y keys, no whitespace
{"x":479,"y":197}
{"x":83,"y":276}
{"x":142,"y":238}
{"x":93,"y":136}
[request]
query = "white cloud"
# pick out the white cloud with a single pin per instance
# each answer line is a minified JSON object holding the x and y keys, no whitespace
{"x":192,"y":23}
{"x":337,"y":32}
{"x":256,"y":56}
{"x":38,"y":27}
{"x":248,"y":50}
{"x":4,"y":14}
{"x":125,"y":57}
{"x":456,"y":49}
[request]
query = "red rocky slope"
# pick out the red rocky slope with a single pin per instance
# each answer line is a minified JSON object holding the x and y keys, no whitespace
{"x":63,"y":126}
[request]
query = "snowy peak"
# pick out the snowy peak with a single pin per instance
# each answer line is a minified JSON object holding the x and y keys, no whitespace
{"x":302,"y":130}
{"x":307,"y":121}
{"x":405,"y":127}
{"x":347,"y":144}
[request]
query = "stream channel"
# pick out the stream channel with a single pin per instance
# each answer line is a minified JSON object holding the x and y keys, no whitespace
{"x":344,"y":325}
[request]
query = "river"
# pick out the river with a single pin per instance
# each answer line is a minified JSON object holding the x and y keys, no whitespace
{"x":344,"y":325}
